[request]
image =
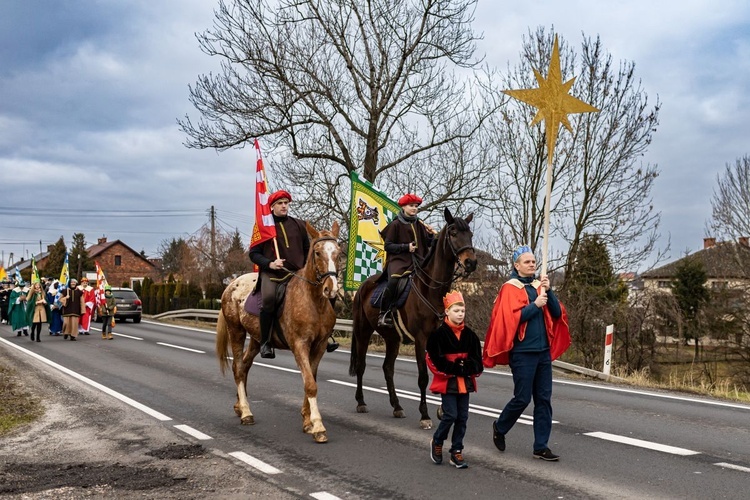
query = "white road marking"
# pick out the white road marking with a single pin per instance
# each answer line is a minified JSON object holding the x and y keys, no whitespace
{"x":180,"y":347}
{"x":280,"y":368}
{"x":733,"y":466}
{"x":642,"y":444}
{"x":193,"y":432}
{"x":126,"y":336}
{"x":255,"y":463}
{"x":476,"y":409}
{"x":135,"y":404}
{"x":179,"y":327}
{"x":323,"y":495}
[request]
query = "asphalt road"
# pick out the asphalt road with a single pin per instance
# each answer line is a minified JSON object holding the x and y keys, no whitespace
{"x":615,"y":441}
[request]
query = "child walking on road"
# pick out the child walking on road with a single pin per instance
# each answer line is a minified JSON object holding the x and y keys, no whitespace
{"x":454,"y":356}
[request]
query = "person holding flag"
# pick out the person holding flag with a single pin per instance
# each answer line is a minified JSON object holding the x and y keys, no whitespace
{"x":72,"y":309}
{"x":89,"y":298}
{"x":65,"y":273}
{"x":53,"y":299}
{"x":277,"y":261}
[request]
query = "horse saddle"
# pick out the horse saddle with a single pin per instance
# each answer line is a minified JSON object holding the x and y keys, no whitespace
{"x":254,"y":300}
{"x":402,"y":292}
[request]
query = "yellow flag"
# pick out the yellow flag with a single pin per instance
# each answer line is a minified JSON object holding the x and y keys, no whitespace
{"x":371,"y":211}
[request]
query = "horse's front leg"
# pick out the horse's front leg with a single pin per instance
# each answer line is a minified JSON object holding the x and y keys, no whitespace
{"x":425,"y":422}
{"x":391,"y":353}
{"x":312,"y":422}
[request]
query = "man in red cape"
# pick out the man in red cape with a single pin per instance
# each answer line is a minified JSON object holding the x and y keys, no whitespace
{"x":528,"y":329}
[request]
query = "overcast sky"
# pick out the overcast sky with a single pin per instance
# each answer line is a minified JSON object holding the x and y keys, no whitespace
{"x":90,"y":92}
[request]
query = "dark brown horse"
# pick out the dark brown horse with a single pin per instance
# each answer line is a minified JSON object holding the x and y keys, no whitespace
{"x":307,"y":321}
{"x":452,"y":255}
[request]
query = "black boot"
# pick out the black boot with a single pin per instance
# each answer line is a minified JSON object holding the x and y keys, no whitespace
{"x":332,"y":344}
{"x":266,"y":324}
{"x":32,"y":335}
{"x":385,"y":318}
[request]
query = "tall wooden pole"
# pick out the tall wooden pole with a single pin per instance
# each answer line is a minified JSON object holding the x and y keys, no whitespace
{"x":547,"y":196}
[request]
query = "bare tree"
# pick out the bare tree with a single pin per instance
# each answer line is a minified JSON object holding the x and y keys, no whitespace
{"x":353,"y":85}
{"x":599,"y":185}
{"x":730,"y":204}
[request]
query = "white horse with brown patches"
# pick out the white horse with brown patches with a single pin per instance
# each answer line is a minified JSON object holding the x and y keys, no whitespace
{"x":306,"y":321}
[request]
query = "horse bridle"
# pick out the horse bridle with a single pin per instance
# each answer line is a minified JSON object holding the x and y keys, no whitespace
{"x":320,"y":278}
{"x":456,"y":252}
{"x":456,"y":273}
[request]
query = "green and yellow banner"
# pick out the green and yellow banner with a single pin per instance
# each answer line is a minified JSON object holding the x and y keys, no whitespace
{"x":371,"y":211}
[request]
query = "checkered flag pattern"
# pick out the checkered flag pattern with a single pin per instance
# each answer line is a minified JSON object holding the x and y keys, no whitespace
{"x":365,"y":263}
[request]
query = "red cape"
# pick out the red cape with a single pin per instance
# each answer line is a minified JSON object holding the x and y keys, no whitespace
{"x":505,"y":320}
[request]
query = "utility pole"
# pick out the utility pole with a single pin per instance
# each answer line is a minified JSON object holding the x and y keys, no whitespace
{"x":213,"y":243}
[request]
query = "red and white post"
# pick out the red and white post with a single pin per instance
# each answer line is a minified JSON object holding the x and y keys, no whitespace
{"x":608,"y":339}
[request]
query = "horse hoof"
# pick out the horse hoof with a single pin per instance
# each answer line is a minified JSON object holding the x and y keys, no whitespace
{"x":248,"y":420}
{"x":399,"y":414}
{"x":320,"y":437}
{"x":425,"y":424}
{"x":238,"y":412}
{"x":362,"y":409}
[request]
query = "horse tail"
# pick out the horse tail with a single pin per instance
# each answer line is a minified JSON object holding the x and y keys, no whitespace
{"x":222,"y":336}
{"x":357,"y":315}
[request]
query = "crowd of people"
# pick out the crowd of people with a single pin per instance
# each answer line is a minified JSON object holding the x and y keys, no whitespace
{"x":528,"y":328}
{"x":67,"y":310}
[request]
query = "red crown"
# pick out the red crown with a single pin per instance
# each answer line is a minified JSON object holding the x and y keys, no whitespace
{"x":452,"y":297}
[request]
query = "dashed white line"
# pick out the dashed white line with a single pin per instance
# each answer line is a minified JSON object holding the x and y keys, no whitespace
{"x":733,"y":466}
{"x":642,"y":444}
{"x":254,"y":462}
{"x":126,"y":336}
{"x":180,"y":347}
{"x":193,"y":432}
{"x":323,"y":495}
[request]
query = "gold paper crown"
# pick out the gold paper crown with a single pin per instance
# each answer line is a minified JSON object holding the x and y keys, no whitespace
{"x":451,"y":298}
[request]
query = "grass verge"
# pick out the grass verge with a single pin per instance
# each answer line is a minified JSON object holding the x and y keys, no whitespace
{"x":17,"y":406}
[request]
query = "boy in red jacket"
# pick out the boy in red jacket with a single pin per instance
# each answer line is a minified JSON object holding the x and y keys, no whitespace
{"x":454,"y":356}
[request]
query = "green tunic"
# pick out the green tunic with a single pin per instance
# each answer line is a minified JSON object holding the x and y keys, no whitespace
{"x":17,"y":310}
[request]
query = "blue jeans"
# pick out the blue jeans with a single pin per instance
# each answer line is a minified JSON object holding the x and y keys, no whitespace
{"x":532,"y":377}
{"x":455,"y":413}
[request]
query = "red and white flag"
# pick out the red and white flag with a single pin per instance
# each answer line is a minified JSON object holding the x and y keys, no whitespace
{"x":101,"y":282}
{"x":264,"y":228}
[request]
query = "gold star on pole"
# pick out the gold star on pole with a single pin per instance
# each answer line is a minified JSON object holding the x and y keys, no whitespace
{"x":552,"y":100}
{"x":554,"y":104}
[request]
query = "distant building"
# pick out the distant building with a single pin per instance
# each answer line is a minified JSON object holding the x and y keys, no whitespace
{"x":122,"y":264}
{"x":727,"y":266}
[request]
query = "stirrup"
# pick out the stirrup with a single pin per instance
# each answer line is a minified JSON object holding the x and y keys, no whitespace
{"x":385,"y":319}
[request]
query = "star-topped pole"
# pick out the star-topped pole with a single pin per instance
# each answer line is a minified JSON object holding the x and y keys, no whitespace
{"x":554,"y":104}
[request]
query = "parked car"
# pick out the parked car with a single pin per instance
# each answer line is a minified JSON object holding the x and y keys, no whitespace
{"x":129,"y":305}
